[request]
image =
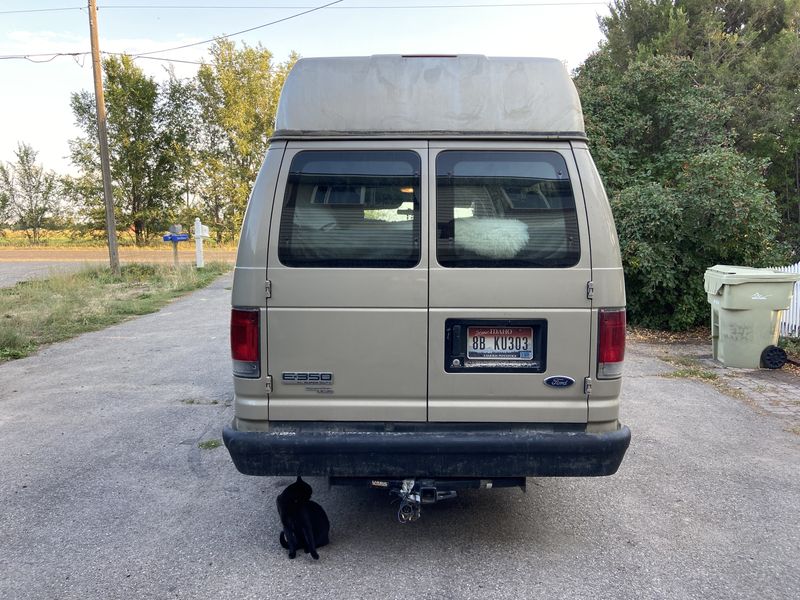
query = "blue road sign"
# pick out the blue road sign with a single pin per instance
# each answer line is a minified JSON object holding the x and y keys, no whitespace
{"x":180,"y":237}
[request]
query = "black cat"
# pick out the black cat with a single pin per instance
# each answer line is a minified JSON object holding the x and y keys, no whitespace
{"x":305,"y":524}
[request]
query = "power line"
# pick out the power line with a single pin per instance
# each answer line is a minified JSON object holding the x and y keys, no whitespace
{"x":175,"y":60}
{"x":289,"y":7}
{"x":229,"y":35}
{"x":364,"y":6}
{"x":249,"y":29}
{"x":40,"y":10}
{"x":30,"y":56}
{"x":54,"y":55}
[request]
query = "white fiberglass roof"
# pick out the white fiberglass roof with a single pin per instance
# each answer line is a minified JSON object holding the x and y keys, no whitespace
{"x":465,"y":94}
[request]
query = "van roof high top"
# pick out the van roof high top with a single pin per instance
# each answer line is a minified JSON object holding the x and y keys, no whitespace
{"x":429,"y":96}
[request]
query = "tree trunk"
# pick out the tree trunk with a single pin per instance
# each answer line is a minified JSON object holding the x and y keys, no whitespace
{"x":138,"y":230}
{"x":797,"y":182}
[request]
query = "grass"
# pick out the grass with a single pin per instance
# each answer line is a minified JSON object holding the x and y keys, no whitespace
{"x":690,"y":368}
{"x":680,"y":360}
{"x":209,"y":444}
{"x":693,"y":373}
{"x":43,"y":311}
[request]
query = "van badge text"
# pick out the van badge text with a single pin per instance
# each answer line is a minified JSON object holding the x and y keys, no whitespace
{"x":307,"y":378}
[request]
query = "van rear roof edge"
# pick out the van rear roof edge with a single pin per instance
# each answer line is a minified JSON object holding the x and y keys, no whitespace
{"x":443,"y":96}
{"x":426,"y":135}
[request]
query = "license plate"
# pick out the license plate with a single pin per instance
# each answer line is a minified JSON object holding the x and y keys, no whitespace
{"x":500,"y":343}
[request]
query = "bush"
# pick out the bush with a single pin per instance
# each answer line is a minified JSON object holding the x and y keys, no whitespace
{"x":718,"y":211}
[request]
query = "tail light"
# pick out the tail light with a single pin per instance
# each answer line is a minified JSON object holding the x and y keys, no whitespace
{"x":245,"y":349}
{"x":611,"y":343}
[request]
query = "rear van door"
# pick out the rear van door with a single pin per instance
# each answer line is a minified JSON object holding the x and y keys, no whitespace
{"x":510,"y":317}
{"x":347,"y":313}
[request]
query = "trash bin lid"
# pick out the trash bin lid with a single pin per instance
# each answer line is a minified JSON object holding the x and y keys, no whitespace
{"x":720,"y":275}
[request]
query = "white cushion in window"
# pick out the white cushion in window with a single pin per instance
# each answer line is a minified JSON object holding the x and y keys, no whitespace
{"x":492,"y":238}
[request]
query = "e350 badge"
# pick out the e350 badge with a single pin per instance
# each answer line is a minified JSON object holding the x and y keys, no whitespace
{"x":307,"y":378}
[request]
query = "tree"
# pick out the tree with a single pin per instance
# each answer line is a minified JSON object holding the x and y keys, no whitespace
{"x":28,"y":193}
{"x":750,"y":50}
{"x":237,"y":96}
{"x":683,"y":197}
{"x":645,"y":120}
{"x":716,"y":211}
{"x":146,"y":147}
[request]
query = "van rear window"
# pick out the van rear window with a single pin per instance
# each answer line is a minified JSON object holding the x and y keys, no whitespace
{"x":505,"y":209}
{"x":352,"y":209}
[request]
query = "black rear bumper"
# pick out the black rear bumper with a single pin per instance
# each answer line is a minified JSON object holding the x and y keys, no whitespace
{"x":426,"y":450}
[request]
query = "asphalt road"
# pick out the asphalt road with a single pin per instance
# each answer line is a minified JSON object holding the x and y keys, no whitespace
{"x":13,"y":272}
{"x":104,"y":493}
{"x":24,"y":263}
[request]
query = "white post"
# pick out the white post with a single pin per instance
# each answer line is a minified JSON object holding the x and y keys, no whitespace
{"x":198,"y":243}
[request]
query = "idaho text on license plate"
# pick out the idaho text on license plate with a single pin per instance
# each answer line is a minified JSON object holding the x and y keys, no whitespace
{"x":500,"y":343}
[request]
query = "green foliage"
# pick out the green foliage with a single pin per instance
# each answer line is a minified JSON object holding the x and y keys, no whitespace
{"x":43,"y":311}
{"x":237,"y":98}
{"x":791,"y":345}
{"x":692,"y":114}
{"x":749,"y":50}
{"x":718,"y":212}
{"x":210,"y":444}
{"x":179,"y":149}
{"x":642,"y":122}
{"x":146,"y":146}
{"x":29,"y":197}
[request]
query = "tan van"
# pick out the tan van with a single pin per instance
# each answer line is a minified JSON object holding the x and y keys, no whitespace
{"x":428,"y":291}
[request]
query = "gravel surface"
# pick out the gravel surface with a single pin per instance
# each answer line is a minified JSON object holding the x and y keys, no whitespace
{"x":106,"y":494}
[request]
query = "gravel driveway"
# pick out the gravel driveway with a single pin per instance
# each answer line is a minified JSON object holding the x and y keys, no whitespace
{"x":105,"y":493}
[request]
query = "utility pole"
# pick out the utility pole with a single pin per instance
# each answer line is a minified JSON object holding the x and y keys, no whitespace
{"x":111,"y":226}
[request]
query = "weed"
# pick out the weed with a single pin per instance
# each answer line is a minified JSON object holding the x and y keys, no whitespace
{"x":681,"y":361}
{"x":209,"y":444}
{"x":791,"y":345}
{"x":693,"y":373}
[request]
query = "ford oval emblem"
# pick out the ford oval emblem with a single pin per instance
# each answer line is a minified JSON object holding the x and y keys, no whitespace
{"x":559,"y":381}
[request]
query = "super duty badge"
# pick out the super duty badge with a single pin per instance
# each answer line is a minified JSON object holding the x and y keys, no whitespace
{"x":307,"y":378}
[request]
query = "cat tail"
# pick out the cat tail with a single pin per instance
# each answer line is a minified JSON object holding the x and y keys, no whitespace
{"x":282,"y":540}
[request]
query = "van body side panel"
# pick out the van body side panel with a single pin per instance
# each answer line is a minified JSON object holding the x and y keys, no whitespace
{"x":609,"y":281}
{"x":556,"y":297}
{"x":250,"y":395}
{"x":347,"y":343}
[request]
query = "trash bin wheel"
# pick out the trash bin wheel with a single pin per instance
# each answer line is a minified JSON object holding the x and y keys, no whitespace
{"x":773,"y":357}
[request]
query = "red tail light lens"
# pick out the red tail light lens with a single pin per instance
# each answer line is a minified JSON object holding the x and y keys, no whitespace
{"x":611,"y":343}
{"x":245,"y":349}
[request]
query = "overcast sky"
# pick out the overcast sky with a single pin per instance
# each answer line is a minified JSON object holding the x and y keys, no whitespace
{"x":34,"y":98}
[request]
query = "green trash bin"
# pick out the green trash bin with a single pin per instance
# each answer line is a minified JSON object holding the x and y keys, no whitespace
{"x":746,"y":307}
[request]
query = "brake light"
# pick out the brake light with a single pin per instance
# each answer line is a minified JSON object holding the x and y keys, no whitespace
{"x":245,"y":348}
{"x":611,"y":343}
